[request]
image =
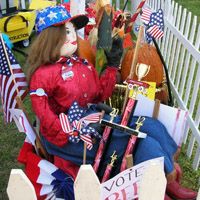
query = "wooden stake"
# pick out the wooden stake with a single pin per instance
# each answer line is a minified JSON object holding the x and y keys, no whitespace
{"x":133,"y":64}
{"x":156,"y":109}
{"x":84,"y":153}
{"x":129,"y":161}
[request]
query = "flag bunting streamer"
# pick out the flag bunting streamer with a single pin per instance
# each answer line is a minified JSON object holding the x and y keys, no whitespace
{"x":49,"y":181}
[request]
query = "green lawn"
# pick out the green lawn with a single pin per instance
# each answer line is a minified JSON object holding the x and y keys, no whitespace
{"x":11,"y":140}
{"x":192,"y":6}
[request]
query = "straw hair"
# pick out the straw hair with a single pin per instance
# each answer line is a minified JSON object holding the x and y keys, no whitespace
{"x":93,"y":36}
{"x":46,"y":48}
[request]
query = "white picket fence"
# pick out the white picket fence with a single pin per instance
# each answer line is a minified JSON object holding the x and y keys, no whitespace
{"x":180,"y":49}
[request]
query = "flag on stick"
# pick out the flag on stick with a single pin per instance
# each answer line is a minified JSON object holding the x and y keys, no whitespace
{"x":12,"y":80}
{"x":155,"y":32}
{"x":135,"y":15}
{"x":155,"y":26}
{"x":146,"y":13}
{"x":23,"y":124}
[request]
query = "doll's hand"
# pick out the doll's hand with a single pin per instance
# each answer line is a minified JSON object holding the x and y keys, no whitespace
{"x":115,"y":54}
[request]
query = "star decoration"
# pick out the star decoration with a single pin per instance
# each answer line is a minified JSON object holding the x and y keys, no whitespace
{"x":52,"y":15}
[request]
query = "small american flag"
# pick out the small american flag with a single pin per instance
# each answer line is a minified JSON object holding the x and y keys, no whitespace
{"x":145,"y":17}
{"x":9,"y":89}
{"x":155,"y":28}
{"x":155,"y":32}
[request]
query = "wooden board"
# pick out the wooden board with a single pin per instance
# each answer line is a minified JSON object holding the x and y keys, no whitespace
{"x":20,"y":187}
{"x":87,"y":185}
{"x":153,"y":183}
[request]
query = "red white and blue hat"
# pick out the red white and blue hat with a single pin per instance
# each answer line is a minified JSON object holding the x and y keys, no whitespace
{"x":58,"y":15}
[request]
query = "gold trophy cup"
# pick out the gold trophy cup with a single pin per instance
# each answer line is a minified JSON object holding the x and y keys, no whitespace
{"x":142,"y":70}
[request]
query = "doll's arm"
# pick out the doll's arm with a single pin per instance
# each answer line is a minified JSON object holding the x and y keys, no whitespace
{"x":50,"y":124}
{"x":107,"y":83}
{"x":108,"y":77}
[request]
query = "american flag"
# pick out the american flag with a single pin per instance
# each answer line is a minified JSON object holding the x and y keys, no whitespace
{"x":9,"y":89}
{"x":145,"y":16}
{"x":155,"y":32}
{"x":155,"y":28}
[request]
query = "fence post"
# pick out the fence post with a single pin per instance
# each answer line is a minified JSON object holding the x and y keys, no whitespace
{"x":87,"y":185}
{"x":20,"y":187}
{"x":23,"y":4}
{"x":153,"y":183}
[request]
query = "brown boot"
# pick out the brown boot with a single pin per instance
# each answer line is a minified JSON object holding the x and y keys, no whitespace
{"x":178,"y":172}
{"x":176,"y":155}
{"x":167,"y":197}
{"x":172,"y":176}
{"x":175,"y":190}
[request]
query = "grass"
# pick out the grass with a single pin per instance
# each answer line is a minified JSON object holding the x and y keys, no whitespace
{"x":192,"y":6}
{"x":11,"y":140}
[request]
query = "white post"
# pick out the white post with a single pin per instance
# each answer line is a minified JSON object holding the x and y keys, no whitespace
{"x":78,"y":7}
{"x":23,"y":5}
{"x":20,"y":187}
{"x":117,"y":4}
{"x":87,"y":185}
{"x":198,"y":196}
{"x":153,"y":183}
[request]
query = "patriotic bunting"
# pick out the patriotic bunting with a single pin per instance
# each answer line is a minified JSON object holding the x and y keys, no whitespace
{"x":49,"y":181}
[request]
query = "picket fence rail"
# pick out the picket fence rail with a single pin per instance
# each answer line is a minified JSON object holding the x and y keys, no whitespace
{"x":180,"y":48}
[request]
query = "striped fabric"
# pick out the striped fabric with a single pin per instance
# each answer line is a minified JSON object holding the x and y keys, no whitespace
{"x":12,"y":80}
{"x":146,"y":13}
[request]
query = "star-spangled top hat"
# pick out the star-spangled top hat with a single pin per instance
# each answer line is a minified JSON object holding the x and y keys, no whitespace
{"x":58,"y":15}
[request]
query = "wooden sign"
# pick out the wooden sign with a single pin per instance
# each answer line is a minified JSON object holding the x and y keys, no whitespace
{"x":125,"y":185}
{"x":175,"y":124}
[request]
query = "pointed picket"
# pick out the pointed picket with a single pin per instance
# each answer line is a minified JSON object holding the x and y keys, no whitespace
{"x":178,"y":49}
{"x":171,"y":37}
{"x":192,"y":75}
{"x":195,"y":93}
{"x":183,"y":49}
{"x":174,"y":50}
{"x":196,"y":161}
{"x":153,"y":183}
{"x":198,"y":196}
{"x":20,"y":187}
{"x":87,"y":185}
{"x":187,"y":59}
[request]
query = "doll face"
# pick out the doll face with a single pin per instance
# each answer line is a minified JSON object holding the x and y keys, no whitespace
{"x":70,"y":45}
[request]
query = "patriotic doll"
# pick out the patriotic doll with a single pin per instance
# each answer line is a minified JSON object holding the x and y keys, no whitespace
{"x":62,"y":84}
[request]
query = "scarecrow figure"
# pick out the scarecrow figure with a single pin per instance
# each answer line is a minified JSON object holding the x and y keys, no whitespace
{"x":61,"y":87}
